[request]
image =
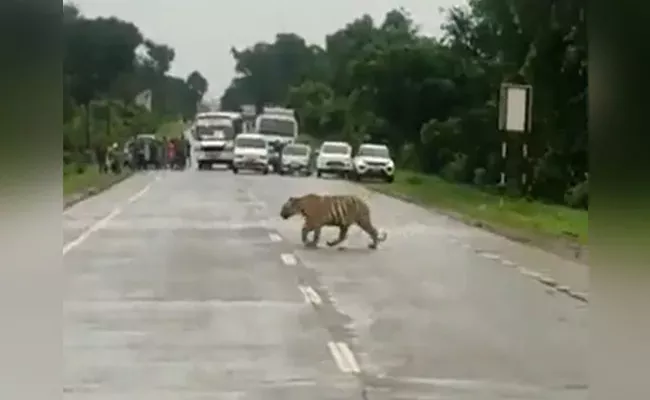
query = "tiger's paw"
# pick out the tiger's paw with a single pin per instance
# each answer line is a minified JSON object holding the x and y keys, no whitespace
{"x":372,"y":246}
{"x":311,"y":245}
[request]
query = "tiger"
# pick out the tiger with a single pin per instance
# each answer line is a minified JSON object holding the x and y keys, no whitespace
{"x":341,"y":211}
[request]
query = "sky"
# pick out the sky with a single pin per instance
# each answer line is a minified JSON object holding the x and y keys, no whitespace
{"x":203,"y":31}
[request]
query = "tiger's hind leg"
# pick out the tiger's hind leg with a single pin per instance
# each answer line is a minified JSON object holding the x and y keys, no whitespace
{"x":343,"y":234}
{"x":370,"y":229}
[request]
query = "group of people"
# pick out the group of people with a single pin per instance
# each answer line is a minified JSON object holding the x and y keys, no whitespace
{"x":142,"y":154}
{"x":167,"y":153}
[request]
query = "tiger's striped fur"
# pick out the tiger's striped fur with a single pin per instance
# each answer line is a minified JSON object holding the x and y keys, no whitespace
{"x":341,"y":211}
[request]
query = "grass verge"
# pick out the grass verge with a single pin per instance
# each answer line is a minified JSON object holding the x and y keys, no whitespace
{"x":171,"y":129}
{"x":80,"y":184}
{"x":523,"y":218}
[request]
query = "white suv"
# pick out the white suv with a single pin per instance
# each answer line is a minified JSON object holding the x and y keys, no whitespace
{"x":373,"y":160}
{"x":334,"y":158}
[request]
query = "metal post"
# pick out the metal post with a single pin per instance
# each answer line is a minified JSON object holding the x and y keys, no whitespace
{"x":108,"y":120}
{"x":88,"y":109}
{"x":504,"y":166}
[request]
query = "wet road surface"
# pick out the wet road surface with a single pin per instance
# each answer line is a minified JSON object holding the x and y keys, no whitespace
{"x":188,"y":285}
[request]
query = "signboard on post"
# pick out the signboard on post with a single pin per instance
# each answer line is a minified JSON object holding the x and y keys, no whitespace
{"x":515,"y":116}
{"x":248,"y":110}
{"x":515,"y":108}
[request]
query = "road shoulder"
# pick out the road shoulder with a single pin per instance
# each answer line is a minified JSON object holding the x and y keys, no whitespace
{"x":557,"y":234}
{"x":89,"y":183}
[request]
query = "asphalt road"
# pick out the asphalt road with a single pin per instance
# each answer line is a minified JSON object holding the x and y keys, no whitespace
{"x":188,"y":285}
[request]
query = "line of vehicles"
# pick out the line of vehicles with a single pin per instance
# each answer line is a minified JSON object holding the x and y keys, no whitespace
{"x":268,"y":142}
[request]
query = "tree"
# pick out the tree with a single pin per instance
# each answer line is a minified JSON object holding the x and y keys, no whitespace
{"x":433,"y":100}
{"x":104,"y":69}
{"x":197,"y":83}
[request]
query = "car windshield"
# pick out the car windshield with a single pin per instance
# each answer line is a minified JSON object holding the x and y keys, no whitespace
{"x":276,"y":126}
{"x":335,"y":149}
{"x":249,"y":142}
{"x":374,"y":151}
{"x":296,"y":150}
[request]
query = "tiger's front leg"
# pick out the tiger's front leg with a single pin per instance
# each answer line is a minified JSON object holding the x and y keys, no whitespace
{"x":304,"y":232}
{"x":316,"y":238}
{"x":306,"y":228}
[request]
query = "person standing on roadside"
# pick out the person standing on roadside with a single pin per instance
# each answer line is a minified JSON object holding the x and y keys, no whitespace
{"x":171,"y":153}
{"x":188,"y":151}
{"x":100,"y":157}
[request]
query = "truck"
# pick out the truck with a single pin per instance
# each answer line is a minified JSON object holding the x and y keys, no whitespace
{"x":279,"y":127}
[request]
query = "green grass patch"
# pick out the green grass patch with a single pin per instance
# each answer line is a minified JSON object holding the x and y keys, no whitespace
{"x":527,"y":217}
{"x":171,"y":129}
{"x":78,"y":182}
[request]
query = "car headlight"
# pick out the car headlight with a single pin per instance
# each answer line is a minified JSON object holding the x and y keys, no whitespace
{"x":390,"y":164}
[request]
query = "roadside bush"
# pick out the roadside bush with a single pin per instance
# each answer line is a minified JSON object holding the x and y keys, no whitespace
{"x":456,"y":170}
{"x":578,"y":195}
{"x":479,"y":179}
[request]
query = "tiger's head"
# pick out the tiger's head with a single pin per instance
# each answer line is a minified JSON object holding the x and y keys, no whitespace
{"x":290,"y":208}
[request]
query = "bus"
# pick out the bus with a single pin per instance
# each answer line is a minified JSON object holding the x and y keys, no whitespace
{"x":223,"y":117}
{"x":214,"y":133}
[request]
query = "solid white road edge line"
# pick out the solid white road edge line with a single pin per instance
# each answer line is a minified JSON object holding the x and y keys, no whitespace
{"x":93,"y":228}
{"x":102,"y":222}
{"x":289,"y":259}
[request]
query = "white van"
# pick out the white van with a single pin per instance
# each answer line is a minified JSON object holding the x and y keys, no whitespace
{"x":251,"y":152}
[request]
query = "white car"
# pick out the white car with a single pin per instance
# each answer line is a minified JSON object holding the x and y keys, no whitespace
{"x":295,"y":157}
{"x":334,"y":158}
{"x":373,"y":160}
{"x":251,"y":152}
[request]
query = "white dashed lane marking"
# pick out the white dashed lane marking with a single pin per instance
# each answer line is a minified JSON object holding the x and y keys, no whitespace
{"x":275,"y":237}
{"x":310,"y":295}
{"x":289,"y":259}
{"x":343,"y":357}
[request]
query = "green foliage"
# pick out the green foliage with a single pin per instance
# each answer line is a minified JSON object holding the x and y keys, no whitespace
{"x":432,"y":100}
{"x":107,"y":63}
